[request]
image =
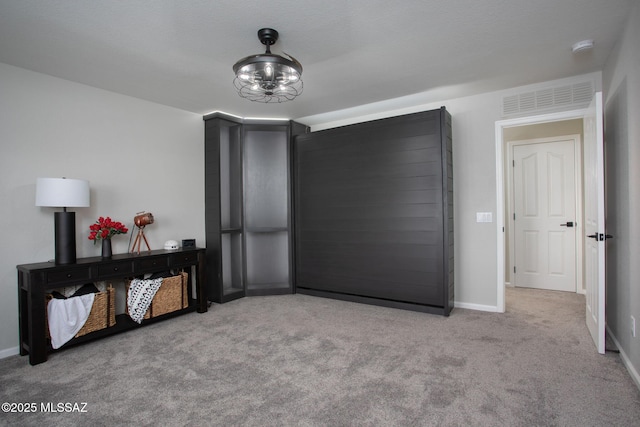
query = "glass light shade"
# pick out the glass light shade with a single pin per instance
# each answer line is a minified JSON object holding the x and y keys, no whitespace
{"x":62,"y":192}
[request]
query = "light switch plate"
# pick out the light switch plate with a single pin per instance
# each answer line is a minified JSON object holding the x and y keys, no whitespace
{"x":484,"y":217}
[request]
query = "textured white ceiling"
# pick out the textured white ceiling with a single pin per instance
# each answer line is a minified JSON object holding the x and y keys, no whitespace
{"x":354,"y":52}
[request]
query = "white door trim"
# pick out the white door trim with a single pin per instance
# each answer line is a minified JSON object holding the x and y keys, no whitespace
{"x":577,"y":144}
{"x":500,"y":185}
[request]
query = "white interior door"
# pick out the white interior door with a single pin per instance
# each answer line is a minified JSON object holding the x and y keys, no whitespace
{"x":594,"y":221}
{"x":544,"y":186}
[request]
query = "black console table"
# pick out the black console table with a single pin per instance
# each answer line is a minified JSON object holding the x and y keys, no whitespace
{"x":34,"y":280}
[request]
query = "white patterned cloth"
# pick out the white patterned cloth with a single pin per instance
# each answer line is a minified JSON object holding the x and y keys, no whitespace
{"x":141,"y":293}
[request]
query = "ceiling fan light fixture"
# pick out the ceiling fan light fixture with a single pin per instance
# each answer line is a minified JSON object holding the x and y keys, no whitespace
{"x":268,"y":77}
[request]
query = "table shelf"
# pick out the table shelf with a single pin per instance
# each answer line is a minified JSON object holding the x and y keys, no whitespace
{"x":36,"y":280}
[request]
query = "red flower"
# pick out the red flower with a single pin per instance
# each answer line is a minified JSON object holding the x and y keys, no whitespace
{"x":104,"y":228}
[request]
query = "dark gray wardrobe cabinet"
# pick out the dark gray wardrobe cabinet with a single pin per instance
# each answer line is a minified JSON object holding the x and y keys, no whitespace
{"x":374,"y":212}
{"x":248,"y":207}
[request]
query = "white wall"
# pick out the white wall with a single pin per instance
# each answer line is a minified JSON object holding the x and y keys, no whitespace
{"x":621,"y":81}
{"x":137,"y":156}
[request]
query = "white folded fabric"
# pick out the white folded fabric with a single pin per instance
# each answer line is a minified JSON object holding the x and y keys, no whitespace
{"x":67,"y":316}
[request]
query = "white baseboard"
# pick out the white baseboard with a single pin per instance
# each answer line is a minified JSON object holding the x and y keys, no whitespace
{"x":627,"y":363}
{"x":479,"y":307}
{"x":7,"y":352}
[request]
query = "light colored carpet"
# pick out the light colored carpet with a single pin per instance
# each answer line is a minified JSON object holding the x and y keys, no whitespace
{"x":308,"y":361}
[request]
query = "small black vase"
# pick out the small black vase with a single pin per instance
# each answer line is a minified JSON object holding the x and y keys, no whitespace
{"x":106,"y":248}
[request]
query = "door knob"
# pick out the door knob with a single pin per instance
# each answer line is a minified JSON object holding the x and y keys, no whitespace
{"x":567,"y":224}
{"x":600,"y":237}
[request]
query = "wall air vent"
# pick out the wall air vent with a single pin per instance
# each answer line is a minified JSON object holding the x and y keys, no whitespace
{"x":577,"y":95}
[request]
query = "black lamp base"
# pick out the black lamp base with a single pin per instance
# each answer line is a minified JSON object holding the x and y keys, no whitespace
{"x":65,"y":236}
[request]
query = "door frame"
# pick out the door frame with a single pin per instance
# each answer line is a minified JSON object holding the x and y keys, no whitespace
{"x":500,"y":185}
{"x":509,"y":199}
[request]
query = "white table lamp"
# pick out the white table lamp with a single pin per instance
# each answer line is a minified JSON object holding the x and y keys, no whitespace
{"x":63,"y":193}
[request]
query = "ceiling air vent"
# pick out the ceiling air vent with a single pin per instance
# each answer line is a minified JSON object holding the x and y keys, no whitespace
{"x":577,"y":95}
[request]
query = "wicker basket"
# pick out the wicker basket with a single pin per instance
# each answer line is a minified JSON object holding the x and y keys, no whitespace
{"x":102,"y":315}
{"x":172,"y":295}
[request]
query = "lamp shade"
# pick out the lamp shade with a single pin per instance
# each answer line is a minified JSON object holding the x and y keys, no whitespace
{"x":62,"y":192}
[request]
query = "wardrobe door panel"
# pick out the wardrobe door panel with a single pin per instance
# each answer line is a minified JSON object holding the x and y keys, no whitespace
{"x":369,"y":210}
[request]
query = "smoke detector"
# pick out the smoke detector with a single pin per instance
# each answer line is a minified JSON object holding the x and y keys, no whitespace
{"x":582,"y":46}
